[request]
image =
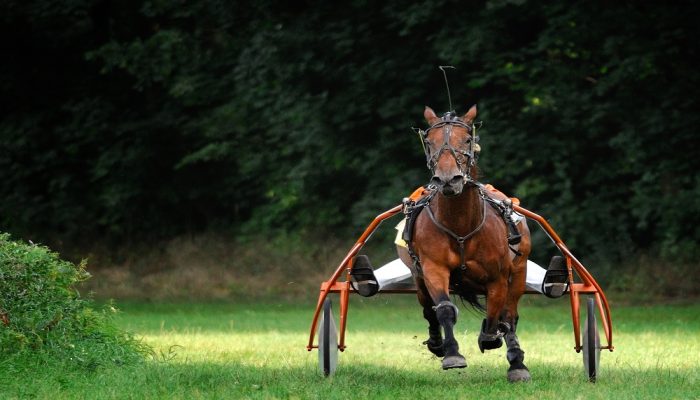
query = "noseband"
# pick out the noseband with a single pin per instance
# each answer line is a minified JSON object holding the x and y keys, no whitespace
{"x":465,"y":158}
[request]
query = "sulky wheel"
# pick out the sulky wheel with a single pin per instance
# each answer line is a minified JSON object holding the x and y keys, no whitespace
{"x":591,"y":342}
{"x":327,"y":341}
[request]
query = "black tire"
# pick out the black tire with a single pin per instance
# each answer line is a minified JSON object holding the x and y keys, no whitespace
{"x":591,"y":342}
{"x":327,"y":341}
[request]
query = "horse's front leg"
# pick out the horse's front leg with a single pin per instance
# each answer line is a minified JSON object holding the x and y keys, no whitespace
{"x":502,"y":320}
{"x":446,"y":312}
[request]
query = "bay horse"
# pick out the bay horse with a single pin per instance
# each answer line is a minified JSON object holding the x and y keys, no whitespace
{"x":460,"y":243}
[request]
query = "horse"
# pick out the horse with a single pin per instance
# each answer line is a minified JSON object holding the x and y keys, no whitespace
{"x":460,"y":243}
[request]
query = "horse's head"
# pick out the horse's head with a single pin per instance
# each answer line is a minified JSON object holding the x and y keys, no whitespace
{"x":450,"y":148}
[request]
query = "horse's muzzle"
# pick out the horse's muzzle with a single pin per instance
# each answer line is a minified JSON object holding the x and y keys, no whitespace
{"x":448,"y":187}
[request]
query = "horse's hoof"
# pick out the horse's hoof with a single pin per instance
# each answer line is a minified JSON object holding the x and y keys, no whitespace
{"x":457,"y":361}
{"x":519,"y":375}
{"x":489,"y":343}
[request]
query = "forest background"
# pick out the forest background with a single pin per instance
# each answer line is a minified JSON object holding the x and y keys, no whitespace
{"x":220,"y":148}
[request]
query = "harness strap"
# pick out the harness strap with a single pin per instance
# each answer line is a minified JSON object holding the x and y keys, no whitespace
{"x":460,"y":239}
{"x":421,"y":199}
{"x":505,"y":209}
{"x":412,"y":208}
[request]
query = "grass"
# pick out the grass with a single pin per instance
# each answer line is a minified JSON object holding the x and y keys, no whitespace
{"x":222,"y":351}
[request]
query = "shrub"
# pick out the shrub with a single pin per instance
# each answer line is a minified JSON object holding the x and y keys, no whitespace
{"x":42,"y":313}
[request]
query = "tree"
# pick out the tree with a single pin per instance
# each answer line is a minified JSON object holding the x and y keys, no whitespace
{"x":151,"y":120}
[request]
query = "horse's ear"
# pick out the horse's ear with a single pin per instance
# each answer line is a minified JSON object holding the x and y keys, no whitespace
{"x":470,"y":115}
{"x":429,"y":115}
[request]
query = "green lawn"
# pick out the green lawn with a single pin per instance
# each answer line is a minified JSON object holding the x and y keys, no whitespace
{"x":258,"y":351}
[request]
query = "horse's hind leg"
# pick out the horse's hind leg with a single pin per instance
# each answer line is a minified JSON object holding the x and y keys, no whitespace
{"x":517,"y":371}
{"x":434,"y":342}
{"x":516,"y":357}
{"x":492,"y":329}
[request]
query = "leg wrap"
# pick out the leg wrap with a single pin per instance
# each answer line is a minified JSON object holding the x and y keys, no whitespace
{"x":517,"y":372}
{"x":515,"y":357}
{"x":489,"y":341}
{"x":436,"y":345}
{"x":428,"y":313}
{"x":514,"y":354}
{"x":434,"y":342}
{"x":447,"y":315}
{"x":434,"y":324}
{"x":512,"y":340}
{"x":435,"y":334}
{"x":446,"y":312}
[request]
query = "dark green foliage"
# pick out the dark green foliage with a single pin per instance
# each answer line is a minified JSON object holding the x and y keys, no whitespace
{"x":129,"y":121}
{"x":42,"y":315}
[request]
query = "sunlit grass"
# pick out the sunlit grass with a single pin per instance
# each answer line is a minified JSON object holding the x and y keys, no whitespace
{"x":258,"y":351}
{"x":385,"y":335}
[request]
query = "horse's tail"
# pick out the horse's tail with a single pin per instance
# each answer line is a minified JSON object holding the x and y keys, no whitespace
{"x":465,"y":293}
{"x":473,"y":300}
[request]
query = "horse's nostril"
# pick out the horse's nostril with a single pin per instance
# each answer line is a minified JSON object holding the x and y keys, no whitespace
{"x":457,"y":179}
{"x":436,"y":181}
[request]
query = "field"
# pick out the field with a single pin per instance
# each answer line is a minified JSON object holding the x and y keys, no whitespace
{"x":234,"y":350}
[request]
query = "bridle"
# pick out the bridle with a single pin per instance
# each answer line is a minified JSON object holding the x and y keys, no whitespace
{"x":465,"y":158}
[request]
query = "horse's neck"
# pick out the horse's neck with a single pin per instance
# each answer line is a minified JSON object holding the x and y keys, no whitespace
{"x":461,"y":213}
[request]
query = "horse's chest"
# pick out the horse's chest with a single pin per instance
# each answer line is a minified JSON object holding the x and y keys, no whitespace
{"x":476,"y":272}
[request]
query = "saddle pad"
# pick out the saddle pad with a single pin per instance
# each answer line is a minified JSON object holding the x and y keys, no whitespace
{"x":399,"y":234}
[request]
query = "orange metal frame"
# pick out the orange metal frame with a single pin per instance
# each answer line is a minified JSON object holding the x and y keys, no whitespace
{"x":588,"y":284}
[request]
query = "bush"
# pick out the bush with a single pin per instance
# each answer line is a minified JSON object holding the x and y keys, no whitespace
{"x":42,"y":313}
